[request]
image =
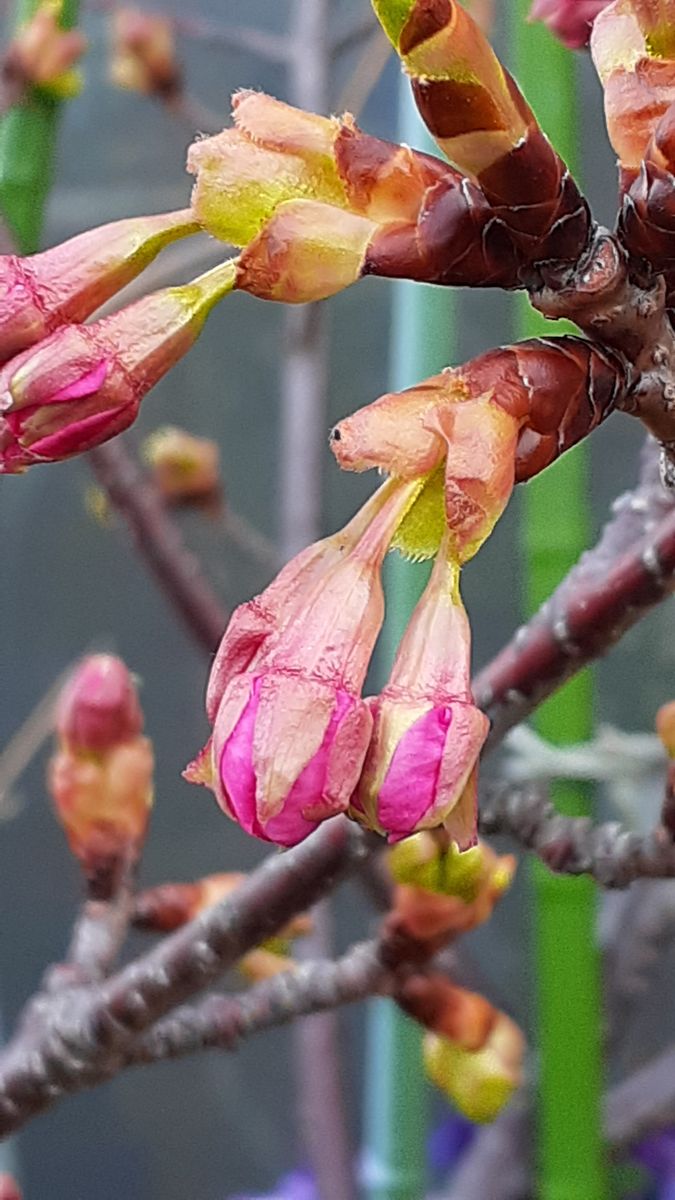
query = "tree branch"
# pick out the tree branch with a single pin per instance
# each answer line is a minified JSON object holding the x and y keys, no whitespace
{"x":612,"y":855}
{"x":79,"y":1036}
{"x":315,"y":986}
{"x":612,"y":586}
{"x":174,"y":566}
{"x":273,"y":47}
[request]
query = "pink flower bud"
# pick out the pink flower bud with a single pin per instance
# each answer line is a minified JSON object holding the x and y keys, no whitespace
{"x":100,"y":778}
{"x":85,"y":383}
{"x":290,"y":729}
{"x":9,"y":1189}
{"x":420,"y":772}
{"x":569,"y":20}
{"x":287,"y":751}
{"x":68,"y":283}
{"x":98,"y":707}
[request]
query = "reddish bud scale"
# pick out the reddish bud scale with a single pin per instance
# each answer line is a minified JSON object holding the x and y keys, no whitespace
{"x":448,"y":1010}
{"x":646,"y":224}
{"x":569,"y":386}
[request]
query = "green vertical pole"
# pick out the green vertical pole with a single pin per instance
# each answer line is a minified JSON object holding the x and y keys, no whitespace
{"x":27,"y":143}
{"x":396,"y":1118}
{"x":555,"y":528}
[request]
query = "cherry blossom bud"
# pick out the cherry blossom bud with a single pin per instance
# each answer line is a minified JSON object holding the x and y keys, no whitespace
{"x":465,"y":886}
{"x":420,"y":771}
{"x":66,"y":284}
{"x":463,"y":92}
{"x":185,"y":468}
{"x":633,"y":48}
{"x":171,"y":905}
{"x":665,"y":727}
{"x":569,"y":20}
{"x":100,"y":778}
{"x":317,"y":203}
{"x":9,"y":1189}
{"x":43,"y":55}
{"x":479,"y":1082}
{"x":144,"y":54}
{"x":447,"y":1010}
{"x":291,"y":730}
{"x":84,"y":384}
{"x":98,"y":707}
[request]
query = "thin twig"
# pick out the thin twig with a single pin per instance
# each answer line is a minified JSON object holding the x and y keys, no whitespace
{"x":612,"y":587}
{"x":159,"y":542}
{"x":612,"y":855}
{"x":316,"y":986}
{"x":361,"y":29}
{"x":271,"y":46}
{"x":366,"y":74}
{"x":79,"y":1036}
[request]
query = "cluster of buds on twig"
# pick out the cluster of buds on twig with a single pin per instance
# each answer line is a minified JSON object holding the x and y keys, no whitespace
{"x":101,"y":777}
{"x":143,"y":55}
{"x":43,"y":55}
{"x":472,"y":1052}
{"x":66,"y":386}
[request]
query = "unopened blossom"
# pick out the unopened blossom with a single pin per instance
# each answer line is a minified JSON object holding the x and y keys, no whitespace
{"x":43,"y":55}
{"x":143,"y":55}
{"x":98,"y":707}
{"x":420,"y":771}
{"x":291,"y":731}
{"x":9,"y":1188}
{"x":455,"y":70}
{"x":569,"y":20}
{"x":84,"y":383}
{"x":476,"y":429}
{"x":478,"y":1082}
{"x":665,"y":727}
{"x":101,"y":776}
{"x":306,"y":195}
{"x":185,"y":468}
{"x":453,"y":1012}
{"x":66,"y":284}
{"x":443,"y":893}
{"x":633,"y":48}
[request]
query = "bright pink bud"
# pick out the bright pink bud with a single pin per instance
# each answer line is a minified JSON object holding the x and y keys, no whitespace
{"x":9,"y":1189}
{"x":84,"y":383}
{"x":66,"y":284}
{"x":98,"y":707}
{"x":569,"y":20}
{"x":287,"y":750}
{"x":420,"y":768}
{"x":291,"y":731}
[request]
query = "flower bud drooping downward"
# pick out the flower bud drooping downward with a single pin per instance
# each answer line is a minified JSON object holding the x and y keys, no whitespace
{"x":420,"y":771}
{"x":100,"y":778}
{"x":66,"y":284}
{"x":84,"y":384}
{"x":291,"y":730}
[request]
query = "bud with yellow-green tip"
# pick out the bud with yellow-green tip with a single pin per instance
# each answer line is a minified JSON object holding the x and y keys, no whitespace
{"x":479,"y":1083}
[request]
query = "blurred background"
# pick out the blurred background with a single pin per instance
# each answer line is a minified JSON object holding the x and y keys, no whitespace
{"x":220,"y":1124}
